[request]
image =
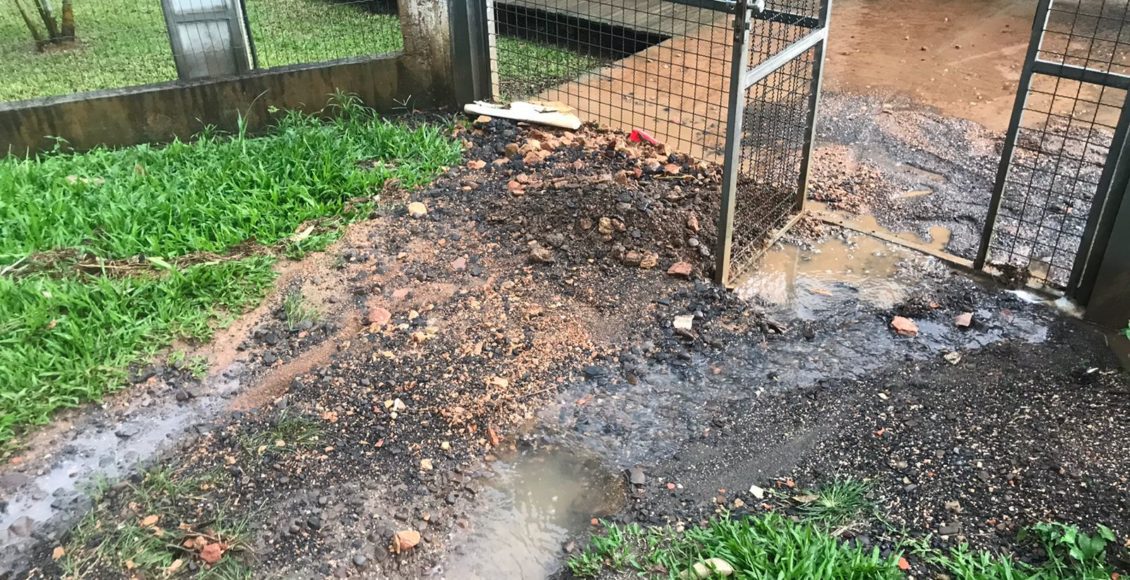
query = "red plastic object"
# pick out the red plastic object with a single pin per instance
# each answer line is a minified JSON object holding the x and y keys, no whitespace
{"x":637,"y":135}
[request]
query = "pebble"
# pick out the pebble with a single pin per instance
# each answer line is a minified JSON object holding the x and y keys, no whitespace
{"x":360,"y":561}
{"x":417,"y":210}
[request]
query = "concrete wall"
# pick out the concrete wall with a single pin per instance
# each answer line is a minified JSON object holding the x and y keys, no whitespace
{"x":157,"y":113}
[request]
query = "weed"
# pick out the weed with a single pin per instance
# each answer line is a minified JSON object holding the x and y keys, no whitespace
{"x":837,"y":503}
{"x":1069,"y":553}
{"x":285,"y":432}
{"x":144,"y":531}
{"x":763,"y":546}
{"x":296,"y":310}
{"x":1126,"y":331}
{"x":196,"y":365}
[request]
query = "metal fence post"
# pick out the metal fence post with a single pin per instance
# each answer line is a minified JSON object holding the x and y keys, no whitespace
{"x":470,"y":51}
{"x":731,"y":170}
{"x":1109,"y":300}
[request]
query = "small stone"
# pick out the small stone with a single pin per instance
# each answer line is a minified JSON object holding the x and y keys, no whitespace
{"x":417,"y":210}
{"x":512,"y":149}
{"x":405,"y":540}
{"x":692,"y":223}
{"x":632,"y":258}
{"x":953,"y":506}
{"x":757,"y":492}
{"x":604,"y":226}
{"x":482,"y":120}
{"x":314,"y":522}
{"x":636,"y":476}
{"x":904,"y":326}
{"x":445,"y":446}
{"x":459,"y":264}
{"x":683,"y":322}
{"x":378,"y":316}
{"x":949,"y":529}
{"x":360,"y":561}
{"x":952,"y":357}
{"x":541,"y":255}
{"x":963,"y":320}
{"x":649,"y":260}
{"x":426,"y":465}
{"x":709,"y":569}
{"x":127,"y":431}
{"x":569,"y":547}
{"x":682,"y":269}
{"x":22,"y":527}
{"x":671,"y":169}
{"x":595,"y":371}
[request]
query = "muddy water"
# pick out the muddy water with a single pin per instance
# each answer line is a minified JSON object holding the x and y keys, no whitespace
{"x":836,"y":301}
{"x":108,"y":449}
{"x":536,"y":504}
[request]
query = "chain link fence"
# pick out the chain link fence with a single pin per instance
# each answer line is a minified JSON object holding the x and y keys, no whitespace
{"x":49,"y":48}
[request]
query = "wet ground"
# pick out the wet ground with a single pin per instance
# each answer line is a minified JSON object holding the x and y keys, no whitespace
{"x":496,"y":374}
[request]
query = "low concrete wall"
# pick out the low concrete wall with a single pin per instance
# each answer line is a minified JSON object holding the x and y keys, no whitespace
{"x":158,"y":113}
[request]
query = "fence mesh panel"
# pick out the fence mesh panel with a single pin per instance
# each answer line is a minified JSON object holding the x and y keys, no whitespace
{"x":117,"y":43}
{"x":287,"y":32}
{"x":774,"y":133}
{"x":1061,"y":149}
{"x":652,"y":65}
{"x":125,"y":43}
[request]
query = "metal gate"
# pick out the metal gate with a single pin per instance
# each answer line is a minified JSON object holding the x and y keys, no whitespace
{"x":1062,"y":176}
{"x":731,"y":82}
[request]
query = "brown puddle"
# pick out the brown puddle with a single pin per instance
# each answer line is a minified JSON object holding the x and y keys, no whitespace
{"x":864,"y":265}
{"x":537,"y":504}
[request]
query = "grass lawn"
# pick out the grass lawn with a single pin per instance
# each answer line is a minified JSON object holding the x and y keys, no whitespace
{"x":807,"y":544}
{"x":68,"y":337}
{"x":123,"y":43}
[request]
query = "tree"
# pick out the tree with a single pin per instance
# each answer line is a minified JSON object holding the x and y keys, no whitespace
{"x":49,"y":29}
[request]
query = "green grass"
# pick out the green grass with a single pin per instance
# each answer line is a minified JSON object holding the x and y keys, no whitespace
{"x":767,"y":546}
{"x":122,"y":43}
{"x":67,"y":338}
{"x":296,"y":310}
{"x":807,"y":545}
{"x":1070,"y":553}
{"x":148,"y":538}
{"x":212,"y":193}
{"x":302,"y":31}
{"x":527,"y":68}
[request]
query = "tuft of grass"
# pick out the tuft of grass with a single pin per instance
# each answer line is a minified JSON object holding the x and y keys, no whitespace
{"x":285,"y":433}
{"x":296,"y":310}
{"x":838,"y":503}
{"x":1126,"y":331}
{"x":763,"y":546}
{"x":149,"y":532}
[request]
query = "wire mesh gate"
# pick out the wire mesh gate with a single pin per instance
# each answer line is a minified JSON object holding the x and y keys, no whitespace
{"x":1060,"y":179}
{"x":730,"y":82}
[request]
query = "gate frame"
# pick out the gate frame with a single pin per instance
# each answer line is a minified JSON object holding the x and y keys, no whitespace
{"x":741,"y":79}
{"x":1112,"y":181}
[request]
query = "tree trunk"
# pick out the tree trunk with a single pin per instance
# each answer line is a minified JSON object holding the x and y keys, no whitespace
{"x":39,"y":40}
{"x":48,"y":18}
{"x":68,"y":21}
